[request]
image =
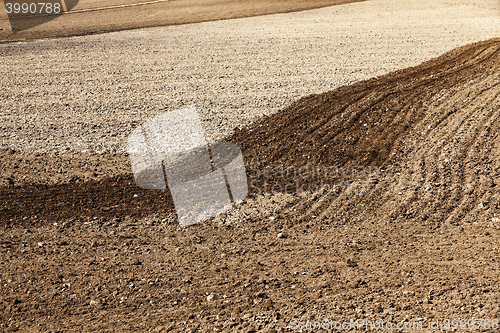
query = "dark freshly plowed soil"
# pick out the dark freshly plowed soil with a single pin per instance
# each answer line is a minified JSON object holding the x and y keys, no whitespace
{"x":362,"y":124}
{"x":415,"y":237}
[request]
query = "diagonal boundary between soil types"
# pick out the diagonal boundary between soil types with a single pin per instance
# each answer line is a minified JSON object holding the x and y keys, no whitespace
{"x":320,"y":129}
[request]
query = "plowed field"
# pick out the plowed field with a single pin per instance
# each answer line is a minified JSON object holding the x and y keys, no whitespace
{"x":408,"y":230}
{"x":420,"y":241}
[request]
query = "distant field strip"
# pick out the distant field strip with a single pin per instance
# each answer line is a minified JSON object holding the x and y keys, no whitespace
{"x":92,"y":9}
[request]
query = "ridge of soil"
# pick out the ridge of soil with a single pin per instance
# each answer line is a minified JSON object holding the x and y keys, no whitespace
{"x":326,"y":129}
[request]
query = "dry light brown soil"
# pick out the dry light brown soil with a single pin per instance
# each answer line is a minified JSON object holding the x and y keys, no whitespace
{"x":419,"y":241}
{"x":411,"y":233}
